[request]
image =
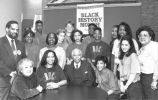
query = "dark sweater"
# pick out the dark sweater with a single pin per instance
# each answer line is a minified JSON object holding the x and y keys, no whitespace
{"x":24,"y":87}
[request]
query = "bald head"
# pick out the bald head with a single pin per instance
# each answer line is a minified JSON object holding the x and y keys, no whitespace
{"x":76,"y":55}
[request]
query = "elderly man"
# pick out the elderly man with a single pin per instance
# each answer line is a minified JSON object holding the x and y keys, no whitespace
{"x":79,"y":72}
{"x":11,"y":51}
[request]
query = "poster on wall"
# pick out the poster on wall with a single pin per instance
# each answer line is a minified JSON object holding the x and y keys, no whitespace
{"x":90,"y":13}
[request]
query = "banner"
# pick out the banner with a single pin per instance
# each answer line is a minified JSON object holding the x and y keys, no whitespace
{"x":90,"y":13}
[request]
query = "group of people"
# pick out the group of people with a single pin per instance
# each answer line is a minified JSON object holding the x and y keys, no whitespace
{"x":68,"y":57}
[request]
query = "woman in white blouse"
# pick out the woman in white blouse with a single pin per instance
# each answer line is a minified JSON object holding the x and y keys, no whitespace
{"x":51,"y":41}
{"x":148,"y":57}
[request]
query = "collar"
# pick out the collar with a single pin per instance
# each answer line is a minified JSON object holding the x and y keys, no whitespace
{"x":9,"y":39}
{"x":79,"y":64}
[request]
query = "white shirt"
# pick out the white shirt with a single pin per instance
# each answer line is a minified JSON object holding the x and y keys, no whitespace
{"x":148,"y":57}
{"x":79,"y":64}
{"x":60,"y":53}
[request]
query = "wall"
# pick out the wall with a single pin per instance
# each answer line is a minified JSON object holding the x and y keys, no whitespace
{"x":55,"y":18}
{"x":31,"y":7}
{"x":149,"y":14}
{"x":9,"y":10}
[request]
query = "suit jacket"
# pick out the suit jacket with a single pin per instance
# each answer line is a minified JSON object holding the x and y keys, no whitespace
{"x":83,"y":76}
{"x":8,"y":62}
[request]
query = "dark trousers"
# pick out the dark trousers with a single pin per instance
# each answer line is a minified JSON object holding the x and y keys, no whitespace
{"x":148,"y":93}
{"x":4,"y":92}
{"x":134,"y":91}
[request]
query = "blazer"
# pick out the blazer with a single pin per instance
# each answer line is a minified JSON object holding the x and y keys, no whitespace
{"x":8,"y":62}
{"x":84,"y":76}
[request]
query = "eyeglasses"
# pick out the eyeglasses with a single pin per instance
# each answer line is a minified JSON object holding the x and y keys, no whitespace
{"x":143,"y":35}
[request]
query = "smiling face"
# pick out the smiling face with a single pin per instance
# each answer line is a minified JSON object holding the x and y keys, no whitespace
{"x":77,"y":55}
{"x":39,"y":27}
{"x":125,"y":46}
{"x":61,"y":37}
{"x":97,"y":35}
{"x":27,"y":68}
{"x":114,"y":32}
{"x":77,"y":37}
{"x":51,"y":39}
{"x":13,"y":31}
{"x":122,"y":31}
{"x":69,"y":27}
{"x":29,"y":38}
{"x":144,"y":38}
{"x":50,"y":58}
{"x":100,"y":65}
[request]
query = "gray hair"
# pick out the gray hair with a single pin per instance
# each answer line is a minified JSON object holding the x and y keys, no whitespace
{"x":76,"y":50}
{"x":20,"y":63}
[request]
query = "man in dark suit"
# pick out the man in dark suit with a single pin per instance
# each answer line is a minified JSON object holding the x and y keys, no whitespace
{"x":79,"y":72}
{"x":11,"y":51}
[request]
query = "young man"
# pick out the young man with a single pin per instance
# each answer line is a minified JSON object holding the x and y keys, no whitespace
{"x":90,"y":38}
{"x":98,"y":47}
{"x":39,"y":36}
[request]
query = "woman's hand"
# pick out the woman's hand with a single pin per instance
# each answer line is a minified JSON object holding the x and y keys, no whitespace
{"x":39,"y":88}
{"x":52,"y":85}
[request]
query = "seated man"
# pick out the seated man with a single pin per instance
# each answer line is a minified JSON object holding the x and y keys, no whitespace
{"x":79,"y":72}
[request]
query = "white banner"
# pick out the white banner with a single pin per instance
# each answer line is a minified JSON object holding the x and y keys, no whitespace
{"x":90,"y":13}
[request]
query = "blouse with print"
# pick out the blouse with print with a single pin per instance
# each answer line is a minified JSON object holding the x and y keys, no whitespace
{"x":54,"y":74}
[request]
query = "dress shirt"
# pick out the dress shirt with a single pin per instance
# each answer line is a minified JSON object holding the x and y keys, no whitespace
{"x":10,"y":42}
{"x":148,"y":57}
{"x":77,"y":66}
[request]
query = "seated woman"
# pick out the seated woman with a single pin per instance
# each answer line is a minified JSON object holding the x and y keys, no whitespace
{"x":25,"y":84}
{"x":105,"y":77}
{"x":49,"y":72}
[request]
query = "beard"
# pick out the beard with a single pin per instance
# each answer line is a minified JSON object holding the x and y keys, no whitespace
{"x":15,"y":36}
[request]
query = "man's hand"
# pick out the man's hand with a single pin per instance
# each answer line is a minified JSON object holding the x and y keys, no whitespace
{"x":12,"y":74}
{"x":154,"y":85}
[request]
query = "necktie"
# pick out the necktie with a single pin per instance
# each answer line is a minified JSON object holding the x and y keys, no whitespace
{"x":13,"y":48}
{"x":12,"y":45}
{"x":76,"y":66}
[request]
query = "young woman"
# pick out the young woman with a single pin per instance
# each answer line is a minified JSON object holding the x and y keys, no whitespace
{"x":61,"y":33}
{"x":25,"y":84}
{"x":105,"y":77}
{"x":69,"y":27}
{"x":51,"y":41}
{"x":50,"y":74}
{"x":129,"y":68}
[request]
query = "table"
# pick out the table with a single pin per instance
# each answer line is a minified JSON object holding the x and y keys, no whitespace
{"x":72,"y":93}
